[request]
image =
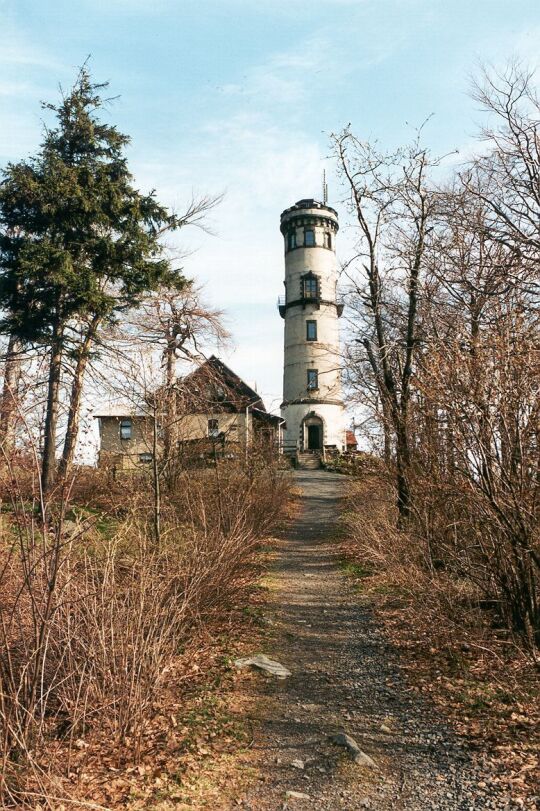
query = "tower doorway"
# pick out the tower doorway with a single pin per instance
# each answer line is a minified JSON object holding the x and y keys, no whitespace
{"x":312,"y":432}
{"x":314,"y":437}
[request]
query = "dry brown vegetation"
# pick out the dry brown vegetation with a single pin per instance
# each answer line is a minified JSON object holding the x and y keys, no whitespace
{"x":103,"y":627}
{"x":454,"y":643}
{"x":444,"y":362}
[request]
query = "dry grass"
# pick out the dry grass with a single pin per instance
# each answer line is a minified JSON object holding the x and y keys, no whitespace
{"x":453,"y":645}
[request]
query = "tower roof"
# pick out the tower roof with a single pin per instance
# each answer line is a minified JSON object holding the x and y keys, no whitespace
{"x":309,"y":207}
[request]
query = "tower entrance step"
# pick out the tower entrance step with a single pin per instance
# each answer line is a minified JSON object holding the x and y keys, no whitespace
{"x":308,"y":460}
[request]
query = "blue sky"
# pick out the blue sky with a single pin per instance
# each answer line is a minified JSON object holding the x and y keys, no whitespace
{"x":239,"y":96}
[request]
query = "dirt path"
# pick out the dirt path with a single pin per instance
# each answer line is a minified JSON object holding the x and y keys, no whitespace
{"x":345,"y":678}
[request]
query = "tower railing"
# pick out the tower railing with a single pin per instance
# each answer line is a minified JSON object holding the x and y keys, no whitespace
{"x":282,"y":303}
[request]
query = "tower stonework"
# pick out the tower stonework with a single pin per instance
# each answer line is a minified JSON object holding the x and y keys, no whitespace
{"x":312,"y":400}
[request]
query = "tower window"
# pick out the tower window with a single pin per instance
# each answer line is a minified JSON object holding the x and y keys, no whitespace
{"x":309,"y":238}
{"x":126,"y":429}
{"x":312,"y":379}
{"x":310,"y":287}
{"x":213,"y":428}
{"x":311,"y":330}
{"x":327,"y":239}
{"x":291,"y":240}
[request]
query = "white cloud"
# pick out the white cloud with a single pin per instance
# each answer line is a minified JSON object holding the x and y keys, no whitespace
{"x":285,"y":77}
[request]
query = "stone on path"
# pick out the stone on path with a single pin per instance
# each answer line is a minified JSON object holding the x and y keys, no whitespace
{"x":262,"y":662}
{"x":296,"y":795}
{"x":342,"y":739}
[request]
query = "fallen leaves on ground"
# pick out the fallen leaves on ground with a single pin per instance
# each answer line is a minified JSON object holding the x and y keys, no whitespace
{"x":482,"y":683}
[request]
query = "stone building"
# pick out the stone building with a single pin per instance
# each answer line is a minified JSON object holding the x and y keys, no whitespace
{"x":312,"y":400}
{"x":212,"y":412}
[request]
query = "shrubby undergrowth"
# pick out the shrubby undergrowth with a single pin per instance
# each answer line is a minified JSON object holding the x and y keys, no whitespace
{"x":94,"y":612}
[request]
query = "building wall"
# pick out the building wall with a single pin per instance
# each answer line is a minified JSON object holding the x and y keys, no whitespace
{"x":124,"y":453}
{"x":301,"y":355}
{"x":333,"y":422}
{"x":195,"y":426}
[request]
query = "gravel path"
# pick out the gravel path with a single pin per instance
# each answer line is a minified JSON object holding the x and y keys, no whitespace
{"x":345,"y":679}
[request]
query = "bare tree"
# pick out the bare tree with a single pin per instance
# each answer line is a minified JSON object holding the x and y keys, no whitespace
{"x":180,"y":325}
{"x":390,"y":197}
{"x":88,"y":335}
{"x":511,"y":162}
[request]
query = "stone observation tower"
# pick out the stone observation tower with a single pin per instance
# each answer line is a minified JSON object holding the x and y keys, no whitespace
{"x":312,"y":406}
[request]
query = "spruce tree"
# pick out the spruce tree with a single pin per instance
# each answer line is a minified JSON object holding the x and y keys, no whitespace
{"x":78,"y":242}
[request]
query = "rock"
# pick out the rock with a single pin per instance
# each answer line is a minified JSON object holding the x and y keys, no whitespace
{"x":296,"y":795}
{"x":298,"y":764}
{"x":262,"y":662}
{"x":70,"y":528}
{"x":359,"y":757}
{"x":385,"y":728}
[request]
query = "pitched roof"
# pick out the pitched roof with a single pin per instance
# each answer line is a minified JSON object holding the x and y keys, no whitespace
{"x":236,"y":392}
{"x":119,"y":412}
{"x":264,"y":416}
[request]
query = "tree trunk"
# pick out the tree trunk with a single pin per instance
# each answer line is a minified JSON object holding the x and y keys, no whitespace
{"x":48,"y":467}
{"x":74,"y":415}
{"x":10,"y":395}
{"x":402,"y":467}
{"x":387,"y":431}
{"x":170,"y":406}
{"x":155,"y":480}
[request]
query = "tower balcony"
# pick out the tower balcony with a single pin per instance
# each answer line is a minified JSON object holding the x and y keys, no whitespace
{"x":283,"y":304}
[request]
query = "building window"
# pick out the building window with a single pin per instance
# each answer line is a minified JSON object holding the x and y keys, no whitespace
{"x":126,"y":429}
{"x":309,"y":238}
{"x":327,"y":239}
{"x":311,"y":330}
{"x":291,"y":240}
{"x":145,"y":458}
{"x":310,"y":287}
{"x":312,"y":379}
{"x":213,"y":429}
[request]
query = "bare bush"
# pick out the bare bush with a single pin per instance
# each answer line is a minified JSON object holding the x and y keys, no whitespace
{"x":94,"y":613}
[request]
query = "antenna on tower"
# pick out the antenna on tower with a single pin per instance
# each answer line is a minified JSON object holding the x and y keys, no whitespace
{"x":324,"y":187}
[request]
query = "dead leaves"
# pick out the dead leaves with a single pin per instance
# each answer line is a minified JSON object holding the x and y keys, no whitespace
{"x":185,"y":757}
{"x":487,"y":689}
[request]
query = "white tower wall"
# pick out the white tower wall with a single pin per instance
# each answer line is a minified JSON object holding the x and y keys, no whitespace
{"x":312,"y":375}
